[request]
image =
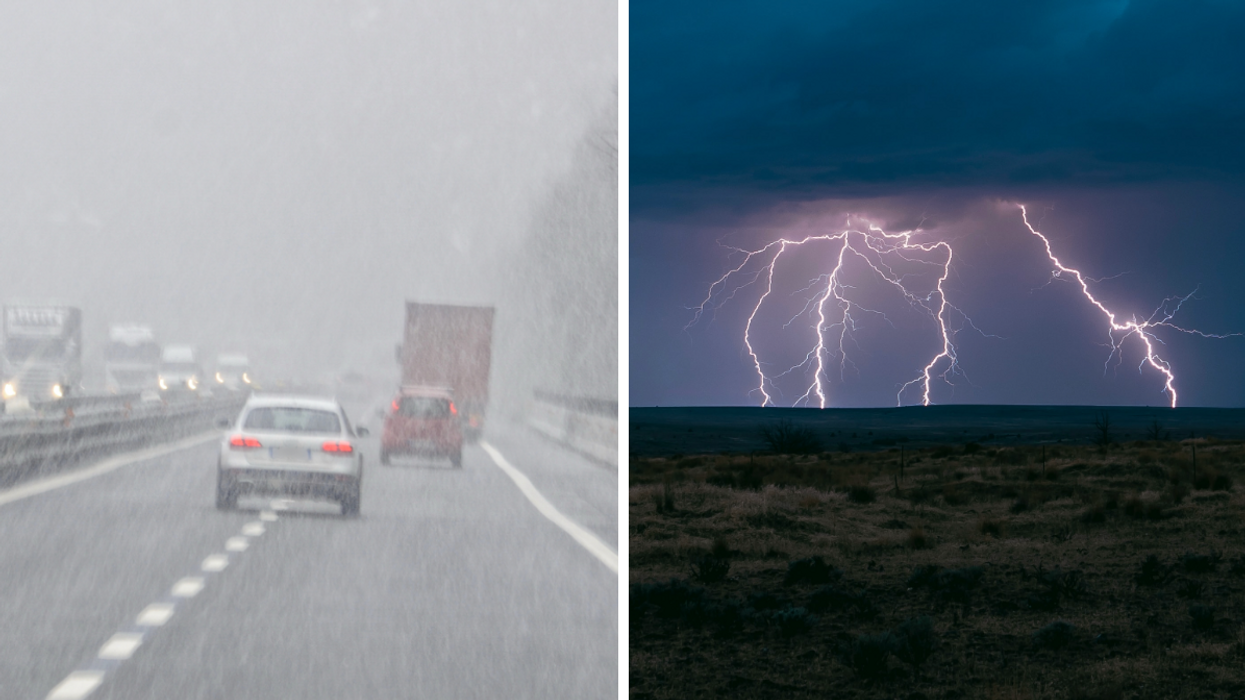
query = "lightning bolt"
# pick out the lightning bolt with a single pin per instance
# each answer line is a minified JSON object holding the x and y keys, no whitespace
{"x":1117,"y":331}
{"x":836,"y":306}
{"x":838,"y":310}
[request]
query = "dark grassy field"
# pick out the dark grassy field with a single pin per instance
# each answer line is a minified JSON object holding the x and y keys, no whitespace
{"x":657,"y":432}
{"x":1071,"y":570}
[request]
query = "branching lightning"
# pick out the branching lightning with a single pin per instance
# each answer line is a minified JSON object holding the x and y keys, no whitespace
{"x":837,"y":308}
{"x":1118,"y":332}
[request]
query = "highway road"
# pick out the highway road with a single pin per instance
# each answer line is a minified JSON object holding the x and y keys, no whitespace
{"x":451,"y":584}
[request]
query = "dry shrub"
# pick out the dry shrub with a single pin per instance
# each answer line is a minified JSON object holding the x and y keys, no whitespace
{"x":1176,"y":492}
{"x":954,"y":496}
{"x":990,"y":526}
{"x":861,"y":493}
{"x":1095,"y":513}
{"x":917,"y":539}
{"x":809,"y":501}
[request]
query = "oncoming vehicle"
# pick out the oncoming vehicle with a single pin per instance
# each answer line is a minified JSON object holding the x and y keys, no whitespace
{"x":290,"y":445}
{"x":179,"y":369}
{"x":422,"y":421}
{"x":233,"y":371}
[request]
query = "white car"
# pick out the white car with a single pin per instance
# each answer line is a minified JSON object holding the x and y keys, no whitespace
{"x":290,"y":445}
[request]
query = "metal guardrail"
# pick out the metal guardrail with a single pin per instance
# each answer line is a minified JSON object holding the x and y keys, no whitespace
{"x":588,"y":426}
{"x":48,"y":439}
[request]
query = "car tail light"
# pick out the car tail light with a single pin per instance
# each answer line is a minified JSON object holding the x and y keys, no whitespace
{"x":395,"y":405}
{"x":453,"y":408}
{"x":241,"y":442}
{"x":338,"y":447}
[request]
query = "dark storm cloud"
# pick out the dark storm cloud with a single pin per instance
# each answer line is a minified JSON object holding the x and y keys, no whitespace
{"x":862,"y":98}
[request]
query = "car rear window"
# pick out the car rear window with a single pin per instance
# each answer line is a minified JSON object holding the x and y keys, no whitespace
{"x":292,"y":420}
{"x":424,"y":407}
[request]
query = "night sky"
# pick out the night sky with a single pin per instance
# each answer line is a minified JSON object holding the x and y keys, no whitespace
{"x":1121,"y":126}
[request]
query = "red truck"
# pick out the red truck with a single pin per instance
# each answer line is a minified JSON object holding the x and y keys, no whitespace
{"x":451,"y":346}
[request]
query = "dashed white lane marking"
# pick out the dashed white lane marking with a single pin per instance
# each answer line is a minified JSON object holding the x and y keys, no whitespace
{"x":216,"y":562}
{"x":586,"y":539}
{"x":121,"y":646}
{"x":35,"y":488}
{"x":76,"y":685}
{"x":188,"y":587}
{"x":154,"y":615}
{"x":281,"y":504}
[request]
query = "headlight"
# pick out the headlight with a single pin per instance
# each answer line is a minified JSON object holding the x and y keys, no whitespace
{"x":163,"y":386}
{"x":57,"y":391}
{"x":219,"y":379}
{"x":9,"y":390}
{"x":246,"y":378}
{"x":193,"y":383}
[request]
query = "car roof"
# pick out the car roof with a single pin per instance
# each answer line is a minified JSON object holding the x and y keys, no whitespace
{"x":437,"y":391}
{"x":293,"y":401}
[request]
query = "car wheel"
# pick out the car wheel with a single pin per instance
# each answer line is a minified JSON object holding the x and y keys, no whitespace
{"x":456,"y":459}
{"x":350,"y":499}
{"x":226,"y":494}
{"x":384,"y":457}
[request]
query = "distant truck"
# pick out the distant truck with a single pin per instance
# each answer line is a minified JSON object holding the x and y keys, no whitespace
{"x":233,"y":371}
{"x":179,"y":369}
{"x":42,"y":352}
{"x":132,"y":358}
{"x":451,"y":346}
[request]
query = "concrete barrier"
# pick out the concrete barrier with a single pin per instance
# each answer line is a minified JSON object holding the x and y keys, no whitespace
{"x":588,"y":426}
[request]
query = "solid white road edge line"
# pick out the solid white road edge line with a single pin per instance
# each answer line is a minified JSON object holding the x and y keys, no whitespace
{"x":35,"y":488}
{"x":586,"y":539}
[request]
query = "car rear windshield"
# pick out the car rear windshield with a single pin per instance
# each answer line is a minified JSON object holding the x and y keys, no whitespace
{"x":292,"y":420}
{"x":424,"y":407}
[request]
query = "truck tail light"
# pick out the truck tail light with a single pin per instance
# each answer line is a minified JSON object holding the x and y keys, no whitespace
{"x":337,"y":447}
{"x":241,"y":442}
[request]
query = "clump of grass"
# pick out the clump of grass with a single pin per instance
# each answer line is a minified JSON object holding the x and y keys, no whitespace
{"x":1020,"y":505}
{"x":861,"y":493}
{"x":1200,"y":563}
{"x":1191,"y":588}
{"x":1095,"y":513}
{"x":1152,"y":572}
{"x":914,"y":641}
{"x":794,"y":621}
{"x":1056,"y":635}
{"x":666,"y":599}
{"x":917,"y":539}
{"x":1203,"y":616}
{"x":710,"y":569}
{"x":831,"y":598}
{"x":811,"y":570}
{"x":953,"y":496}
{"x":1177,"y":491}
{"x":664,"y":499}
{"x":1137,"y":507}
{"x":990,"y":526}
{"x":869,"y":653}
{"x":1058,"y":584}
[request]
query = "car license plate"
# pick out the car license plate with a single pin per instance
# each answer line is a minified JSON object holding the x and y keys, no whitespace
{"x":291,"y":453}
{"x":421,"y":445}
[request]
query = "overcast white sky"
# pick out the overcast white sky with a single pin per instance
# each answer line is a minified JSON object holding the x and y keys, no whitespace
{"x":279,"y":177}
